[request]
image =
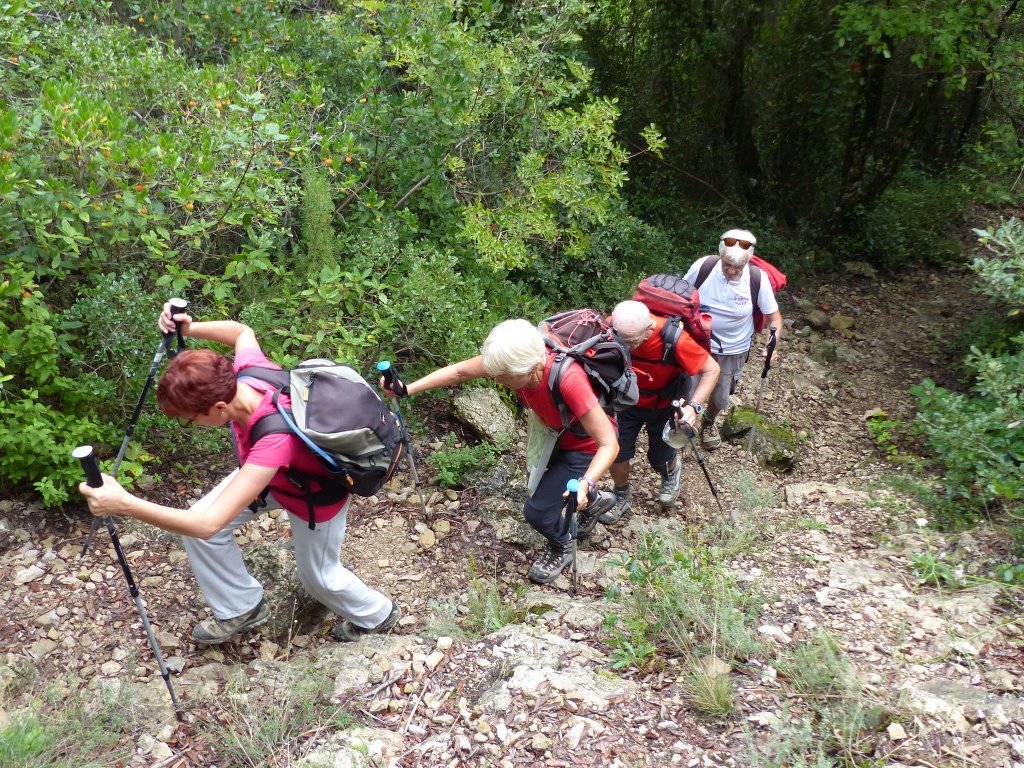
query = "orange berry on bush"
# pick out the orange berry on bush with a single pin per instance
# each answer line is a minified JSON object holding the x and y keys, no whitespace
{"x":348,"y":158}
{"x":329,"y":161}
{"x":190,"y":206}
{"x":139,"y":187}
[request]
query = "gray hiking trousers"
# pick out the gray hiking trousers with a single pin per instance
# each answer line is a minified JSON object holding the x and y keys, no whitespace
{"x":230,"y":590}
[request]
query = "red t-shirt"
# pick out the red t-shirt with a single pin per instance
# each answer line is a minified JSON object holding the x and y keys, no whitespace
{"x":284,"y":451}
{"x":579,"y":398}
{"x":652,"y":375}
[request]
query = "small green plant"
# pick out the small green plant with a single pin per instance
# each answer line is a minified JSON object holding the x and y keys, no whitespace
{"x":630,"y":641}
{"x":888,"y":435}
{"x":487,"y":610}
{"x":933,"y":570}
{"x":1007,"y":573}
{"x":452,"y":461}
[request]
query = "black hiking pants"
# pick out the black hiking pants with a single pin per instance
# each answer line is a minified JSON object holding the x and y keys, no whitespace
{"x":543,"y":510}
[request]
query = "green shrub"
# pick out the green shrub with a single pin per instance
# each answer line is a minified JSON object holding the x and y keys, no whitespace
{"x":452,"y":461}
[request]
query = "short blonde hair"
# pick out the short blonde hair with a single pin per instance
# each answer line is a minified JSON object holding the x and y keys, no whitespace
{"x":630,"y":319}
{"x":512,"y":348}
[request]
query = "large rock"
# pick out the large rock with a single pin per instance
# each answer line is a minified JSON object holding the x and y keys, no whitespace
{"x":773,"y":446}
{"x":483,"y":411}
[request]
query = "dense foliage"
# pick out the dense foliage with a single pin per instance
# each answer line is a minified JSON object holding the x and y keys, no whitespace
{"x":367,"y":179}
{"x":352,"y":179}
{"x":979,"y":435}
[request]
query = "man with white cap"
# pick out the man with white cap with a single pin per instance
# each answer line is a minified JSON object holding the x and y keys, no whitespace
{"x":725,"y":288}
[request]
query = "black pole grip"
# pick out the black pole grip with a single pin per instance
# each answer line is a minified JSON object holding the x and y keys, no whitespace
{"x":178,"y":306}
{"x":387,"y":370}
{"x":769,"y":351}
{"x":85,"y":455}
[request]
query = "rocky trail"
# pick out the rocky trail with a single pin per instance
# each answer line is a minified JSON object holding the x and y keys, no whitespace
{"x":829,"y":546}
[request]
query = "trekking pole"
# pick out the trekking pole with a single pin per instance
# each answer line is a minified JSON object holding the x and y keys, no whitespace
{"x":86,"y":456}
{"x":569,"y":526}
{"x":177,"y":307}
{"x":400,"y":390}
{"x":691,"y":433}
{"x":768,"y":352}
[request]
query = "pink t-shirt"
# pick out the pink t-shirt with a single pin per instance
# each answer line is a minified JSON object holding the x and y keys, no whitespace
{"x":283,"y":451}
{"x":579,"y":398}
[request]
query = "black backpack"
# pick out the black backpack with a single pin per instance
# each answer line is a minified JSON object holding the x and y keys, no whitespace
{"x":584,"y":336}
{"x":342,"y":419}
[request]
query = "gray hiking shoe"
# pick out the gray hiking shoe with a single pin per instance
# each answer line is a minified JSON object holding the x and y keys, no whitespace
{"x":213,"y":631}
{"x":589,"y":516}
{"x":709,"y":436}
{"x":551,"y":562}
{"x":670,"y":486}
{"x":347,"y":632}
{"x":623,"y":497}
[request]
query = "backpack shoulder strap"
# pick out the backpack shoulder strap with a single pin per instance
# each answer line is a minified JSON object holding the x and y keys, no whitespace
{"x":671,"y":332}
{"x":276,"y":377}
{"x":558,"y":366}
{"x":268,"y":424}
{"x":705,"y":269}
{"x":755,"y":284}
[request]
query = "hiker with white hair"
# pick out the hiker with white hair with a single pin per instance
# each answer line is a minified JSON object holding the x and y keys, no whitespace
{"x":724,"y":282}
{"x":661,"y":379}
{"x":515,"y":355}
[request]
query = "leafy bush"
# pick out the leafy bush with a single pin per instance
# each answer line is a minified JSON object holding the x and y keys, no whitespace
{"x":453,"y":461}
{"x":978,"y":435}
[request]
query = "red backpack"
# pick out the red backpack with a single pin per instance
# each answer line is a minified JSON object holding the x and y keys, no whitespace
{"x":673,"y":297}
{"x":584,"y":336}
{"x":776,"y":278}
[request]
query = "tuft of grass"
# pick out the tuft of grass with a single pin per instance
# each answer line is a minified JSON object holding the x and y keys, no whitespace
{"x":708,"y":690}
{"x":66,"y":729}
{"x":818,"y":668}
{"x":255,"y":727}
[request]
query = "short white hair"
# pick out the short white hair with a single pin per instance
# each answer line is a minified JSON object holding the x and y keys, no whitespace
{"x":733,"y":255}
{"x":512,"y":348}
{"x":630,"y":320}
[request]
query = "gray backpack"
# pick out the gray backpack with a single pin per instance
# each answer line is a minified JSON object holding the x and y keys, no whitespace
{"x":342,"y":420}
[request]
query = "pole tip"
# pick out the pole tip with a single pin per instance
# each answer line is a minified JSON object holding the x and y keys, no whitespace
{"x":82,"y":452}
{"x":383,"y":365}
{"x":573,"y":486}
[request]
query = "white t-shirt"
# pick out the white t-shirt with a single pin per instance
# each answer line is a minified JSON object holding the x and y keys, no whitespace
{"x":732,"y":317}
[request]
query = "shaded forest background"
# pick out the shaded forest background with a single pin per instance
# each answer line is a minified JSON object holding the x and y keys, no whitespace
{"x":367,"y":180}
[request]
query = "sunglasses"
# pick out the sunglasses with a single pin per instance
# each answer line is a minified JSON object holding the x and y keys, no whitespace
{"x":731,"y":241}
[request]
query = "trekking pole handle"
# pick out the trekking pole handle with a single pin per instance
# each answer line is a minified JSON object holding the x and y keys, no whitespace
{"x":773,"y":339}
{"x":178,"y":306}
{"x":573,"y":489}
{"x":677,"y":406}
{"x":85,"y":455}
{"x":394,"y":383}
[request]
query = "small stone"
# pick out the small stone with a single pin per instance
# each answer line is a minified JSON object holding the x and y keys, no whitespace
{"x":25,"y":575}
{"x":444,"y":643}
{"x":427,"y":539}
{"x":896,"y":732}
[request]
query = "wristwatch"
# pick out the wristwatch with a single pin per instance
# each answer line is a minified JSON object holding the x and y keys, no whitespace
{"x":590,"y":484}
{"x":697,"y":407}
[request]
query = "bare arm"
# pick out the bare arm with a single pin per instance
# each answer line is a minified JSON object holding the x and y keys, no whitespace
{"x":112,"y":499}
{"x":600,"y":428}
{"x":227,"y":332}
{"x":449,"y":376}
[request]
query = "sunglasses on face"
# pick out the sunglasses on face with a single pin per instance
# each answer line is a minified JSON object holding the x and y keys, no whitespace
{"x":731,"y":241}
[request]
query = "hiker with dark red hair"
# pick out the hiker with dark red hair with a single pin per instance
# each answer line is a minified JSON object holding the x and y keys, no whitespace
{"x":724,"y":282}
{"x":202,"y":387}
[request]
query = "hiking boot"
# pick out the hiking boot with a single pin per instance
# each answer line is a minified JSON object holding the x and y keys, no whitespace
{"x":347,"y":632}
{"x":670,"y":486}
{"x":709,"y":436}
{"x":623,"y":497}
{"x":213,"y":631}
{"x":592,"y":513}
{"x":551,"y":562}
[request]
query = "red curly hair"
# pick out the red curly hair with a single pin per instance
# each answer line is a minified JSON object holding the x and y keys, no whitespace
{"x":195,"y":381}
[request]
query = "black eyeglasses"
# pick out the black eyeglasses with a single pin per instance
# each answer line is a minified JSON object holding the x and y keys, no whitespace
{"x":731,"y":241}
